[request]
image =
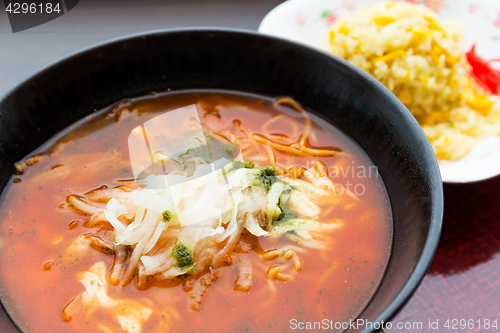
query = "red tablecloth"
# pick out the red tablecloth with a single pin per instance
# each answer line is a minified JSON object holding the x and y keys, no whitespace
{"x":463,"y":281}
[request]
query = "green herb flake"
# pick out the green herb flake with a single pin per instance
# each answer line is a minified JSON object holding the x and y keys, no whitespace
{"x":166,"y":216}
{"x":249,"y":165}
{"x":183,"y":255}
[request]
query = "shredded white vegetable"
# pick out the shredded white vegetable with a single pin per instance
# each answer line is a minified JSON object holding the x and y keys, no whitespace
{"x":209,"y":207}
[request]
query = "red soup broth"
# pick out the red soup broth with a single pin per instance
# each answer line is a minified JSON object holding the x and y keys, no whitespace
{"x":39,"y":278}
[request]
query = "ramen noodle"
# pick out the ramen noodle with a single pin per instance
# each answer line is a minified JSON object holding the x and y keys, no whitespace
{"x":267,"y":213}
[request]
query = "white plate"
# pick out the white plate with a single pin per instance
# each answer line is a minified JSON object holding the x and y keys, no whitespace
{"x":309,"y":22}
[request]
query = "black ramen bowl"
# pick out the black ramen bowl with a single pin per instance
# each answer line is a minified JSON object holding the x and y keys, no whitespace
{"x":71,"y":88}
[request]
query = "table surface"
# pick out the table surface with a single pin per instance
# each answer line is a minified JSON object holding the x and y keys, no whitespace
{"x":463,"y":281}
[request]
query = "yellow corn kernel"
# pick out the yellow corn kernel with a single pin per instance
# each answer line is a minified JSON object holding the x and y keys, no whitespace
{"x":388,"y":58}
{"x":451,"y":60}
{"x":432,"y":24}
{"x":426,"y":79}
{"x":436,"y":52}
{"x":405,"y":96}
{"x":383,"y":20}
{"x":344,"y":30}
{"x":332,"y":36}
{"x":481,"y":104}
{"x":419,"y":36}
{"x":407,"y":76}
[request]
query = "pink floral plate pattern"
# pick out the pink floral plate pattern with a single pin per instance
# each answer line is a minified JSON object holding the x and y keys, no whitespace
{"x":309,"y":22}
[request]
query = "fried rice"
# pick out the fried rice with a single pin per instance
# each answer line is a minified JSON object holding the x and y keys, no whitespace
{"x":421,"y":59}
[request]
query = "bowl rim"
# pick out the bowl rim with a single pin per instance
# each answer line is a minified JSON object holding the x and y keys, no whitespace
{"x":435,"y":186}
